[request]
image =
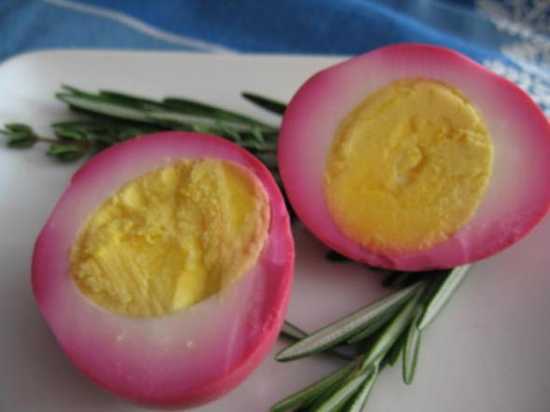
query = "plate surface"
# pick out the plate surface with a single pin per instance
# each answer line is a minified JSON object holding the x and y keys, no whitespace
{"x":488,"y":351}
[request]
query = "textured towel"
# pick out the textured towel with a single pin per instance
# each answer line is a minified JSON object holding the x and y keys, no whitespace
{"x":511,"y":37}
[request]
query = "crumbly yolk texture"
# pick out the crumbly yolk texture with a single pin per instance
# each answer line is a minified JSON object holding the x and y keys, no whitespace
{"x":408,"y":167}
{"x":171,"y":238}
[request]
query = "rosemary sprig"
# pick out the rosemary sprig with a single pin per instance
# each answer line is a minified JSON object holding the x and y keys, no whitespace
{"x":181,"y":111}
{"x":113,"y":117}
{"x":19,"y":136}
{"x":64,"y":148}
{"x":173,"y":114}
{"x":397,"y":317}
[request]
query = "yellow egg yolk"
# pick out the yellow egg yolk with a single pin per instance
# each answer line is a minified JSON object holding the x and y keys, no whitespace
{"x":171,"y":238}
{"x":408,"y":167}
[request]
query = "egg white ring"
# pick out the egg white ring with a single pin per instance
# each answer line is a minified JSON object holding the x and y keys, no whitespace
{"x":518,"y":195}
{"x":192,"y":355}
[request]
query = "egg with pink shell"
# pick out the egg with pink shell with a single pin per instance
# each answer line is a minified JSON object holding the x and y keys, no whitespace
{"x":414,"y":157}
{"x":165,"y":268}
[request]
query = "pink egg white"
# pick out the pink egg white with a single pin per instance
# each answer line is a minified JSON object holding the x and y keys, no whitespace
{"x":518,"y":195}
{"x":187,"y":357}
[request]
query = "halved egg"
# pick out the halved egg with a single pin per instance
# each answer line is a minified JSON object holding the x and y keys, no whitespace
{"x":164,"y":270}
{"x":415,"y":157}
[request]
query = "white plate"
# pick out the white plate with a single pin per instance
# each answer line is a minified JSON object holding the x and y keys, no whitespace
{"x":488,"y":351}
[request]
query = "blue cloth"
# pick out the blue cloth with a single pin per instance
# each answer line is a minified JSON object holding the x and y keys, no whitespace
{"x":511,"y":37}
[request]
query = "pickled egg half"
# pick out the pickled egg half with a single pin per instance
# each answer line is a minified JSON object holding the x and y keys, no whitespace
{"x":415,"y":157}
{"x":165,"y":268}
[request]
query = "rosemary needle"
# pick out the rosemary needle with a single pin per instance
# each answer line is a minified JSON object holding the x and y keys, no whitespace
{"x":393,"y":331}
{"x":265,"y":103}
{"x":344,"y":328}
{"x":359,"y":401}
{"x":306,"y":395}
{"x":443,"y":295}
{"x":345,"y":392}
{"x":393,"y":355}
{"x":293,"y":332}
{"x":411,"y":349}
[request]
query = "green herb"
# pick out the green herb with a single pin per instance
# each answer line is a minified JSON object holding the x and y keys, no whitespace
{"x":339,"y":331}
{"x":266,"y":103}
{"x":358,"y":403}
{"x":389,"y":327}
{"x":393,"y":330}
{"x":411,"y":349}
{"x":208,"y":111}
{"x":19,"y":136}
{"x":370,"y":329}
{"x":67,"y":151}
{"x":112,"y":117}
{"x":396,"y":280}
{"x":446,"y":289}
{"x":342,"y":394}
{"x":293,"y":332}
{"x":174,"y":114}
{"x":395,"y":351}
{"x":305,"y":396}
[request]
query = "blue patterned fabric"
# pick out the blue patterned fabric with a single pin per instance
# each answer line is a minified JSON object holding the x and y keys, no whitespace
{"x":511,"y":37}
